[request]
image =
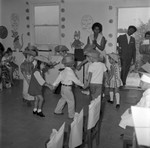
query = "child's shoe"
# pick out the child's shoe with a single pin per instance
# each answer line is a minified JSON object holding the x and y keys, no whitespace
{"x":40,"y":114}
{"x":111,"y":102}
{"x":117,"y":106}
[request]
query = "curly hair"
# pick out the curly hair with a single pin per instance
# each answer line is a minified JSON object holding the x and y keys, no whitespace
{"x":97,"y":25}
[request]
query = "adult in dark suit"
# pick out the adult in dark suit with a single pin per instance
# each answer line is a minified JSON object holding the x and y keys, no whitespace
{"x":127,"y":51}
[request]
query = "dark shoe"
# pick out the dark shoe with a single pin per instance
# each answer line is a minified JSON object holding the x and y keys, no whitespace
{"x":111,"y":102}
{"x":58,"y":113}
{"x":34,"y":112}
{"x":40,"y":114}
{"x":118,"y":106}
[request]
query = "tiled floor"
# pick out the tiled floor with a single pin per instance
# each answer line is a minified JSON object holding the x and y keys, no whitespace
{"x":21,"y":129}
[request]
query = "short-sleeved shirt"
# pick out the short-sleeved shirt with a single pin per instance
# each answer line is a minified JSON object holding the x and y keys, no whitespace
{"x":97,"y":69}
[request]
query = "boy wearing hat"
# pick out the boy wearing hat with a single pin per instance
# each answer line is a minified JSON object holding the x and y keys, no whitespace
{"x":67,"y":77}
{"x":96,"y":72}
{"x":36,"y":84}
{"x":26,"y":70}
{"x":126,"y":118}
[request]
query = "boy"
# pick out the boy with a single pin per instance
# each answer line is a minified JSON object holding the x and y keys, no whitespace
{"x":96,"y":71}
{"x":67,"y":77}
{"x":126,"y":118}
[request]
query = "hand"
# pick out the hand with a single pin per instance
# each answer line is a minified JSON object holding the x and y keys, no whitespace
{"x":78,"y":67}
{"x":129,"y":110}
{"x":85,"y":86}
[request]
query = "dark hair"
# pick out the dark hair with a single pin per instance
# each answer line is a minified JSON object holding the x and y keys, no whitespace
{"x":9,"y":50}
{"x":2,"y":49}
{"x":133,"y":28}
{"x":97,"y":25}
{"x":38,"y":64}
{"x":147,"y":33}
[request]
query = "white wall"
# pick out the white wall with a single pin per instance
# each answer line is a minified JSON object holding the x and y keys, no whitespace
{"x":99,"y":10}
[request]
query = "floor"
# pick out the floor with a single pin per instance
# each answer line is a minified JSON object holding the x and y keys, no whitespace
{"x":21,"y":129}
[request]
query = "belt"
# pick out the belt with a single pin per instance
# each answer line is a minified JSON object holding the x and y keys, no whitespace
{"x":66,"y":85}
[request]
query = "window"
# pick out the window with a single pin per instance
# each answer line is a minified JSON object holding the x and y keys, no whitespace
{"x":46,"y":24}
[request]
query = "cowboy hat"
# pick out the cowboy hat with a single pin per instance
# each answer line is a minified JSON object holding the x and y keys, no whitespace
{"x":114,"y":56}
{"x":30,"y":52}
{"x":59,"y":48}
{"x":68,"y":59}
{"x":42,"y":59}
{"x":93,"y":53}
{"x":87,"y":48}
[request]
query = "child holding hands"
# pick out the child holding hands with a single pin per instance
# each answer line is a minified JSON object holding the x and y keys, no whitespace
{"x":96,"y":72}
{"x":36,"y":84}
{"x":67,"y":77}
{"x":114,"y":79}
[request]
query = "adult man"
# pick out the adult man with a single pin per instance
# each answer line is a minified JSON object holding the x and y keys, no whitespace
{"x":127,"y":51}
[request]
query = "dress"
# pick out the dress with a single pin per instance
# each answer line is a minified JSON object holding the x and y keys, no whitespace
{"x":67,"y":77}
{"x":26,"y":68}
{"x":115,"y":81}
{"x":99,"y":39}
{"x":126,"y":118}
{"x":36,"y":83}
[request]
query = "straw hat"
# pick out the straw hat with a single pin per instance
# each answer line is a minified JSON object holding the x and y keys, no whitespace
{"x":93,"y":53}
{"x":87,"y":48}
{"x":68,"y":59}
{"x":42,"y":59}
{"x":114,"y":56}
{"x":59,"y":48}
{"x":145,"y":77}
{"x":30,"y":52}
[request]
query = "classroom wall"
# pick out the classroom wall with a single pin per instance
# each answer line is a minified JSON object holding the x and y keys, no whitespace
{"x":79,"y":15}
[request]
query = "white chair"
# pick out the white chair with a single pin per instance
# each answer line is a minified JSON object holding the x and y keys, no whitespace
{"x":76,"y":132}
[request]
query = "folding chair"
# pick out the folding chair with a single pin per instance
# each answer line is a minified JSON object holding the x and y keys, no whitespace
{"x":60,"y":138}
{"x":76,"y":130}
{"x":92,"y":123}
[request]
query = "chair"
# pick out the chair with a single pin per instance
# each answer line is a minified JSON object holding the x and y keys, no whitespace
{"x":76,"y":130}
{"x":92,"y":123}
{"x":60,"y":138}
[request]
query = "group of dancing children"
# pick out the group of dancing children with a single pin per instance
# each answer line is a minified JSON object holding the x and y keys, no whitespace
{"x":34,"y":79}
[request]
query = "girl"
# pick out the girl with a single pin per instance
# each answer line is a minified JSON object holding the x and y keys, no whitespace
{"x":26,"y":69}
{"x":36,"y":84}
{"x":114,"y":81}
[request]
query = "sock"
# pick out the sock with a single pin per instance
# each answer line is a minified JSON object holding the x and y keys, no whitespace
{"x":111,"y":96}
{"x":35,"y":109}
{"x":39,"y":110}
{"x":117,"y":98}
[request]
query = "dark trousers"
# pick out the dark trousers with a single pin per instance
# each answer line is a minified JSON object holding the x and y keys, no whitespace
{"x":125,"y":66}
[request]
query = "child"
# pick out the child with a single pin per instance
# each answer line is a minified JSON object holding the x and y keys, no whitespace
{"x":8,"y":67}
{"x":67,"y":77}
{"x":114,"y":79}
{"x":36,"y":84}
{"x":126,"y":118}
{"x":26,"y":69}
{"x":96,"y":72}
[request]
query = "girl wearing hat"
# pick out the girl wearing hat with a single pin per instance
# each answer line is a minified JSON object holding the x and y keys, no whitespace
{"x":126,"y":118}
{"x":26,"y":69}
{"x":114,"y":80}
{"x":36,"y":84}
{"x":67,"y":77}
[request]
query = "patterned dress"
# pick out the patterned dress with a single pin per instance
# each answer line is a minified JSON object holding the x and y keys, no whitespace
{"x":115,"y":80}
